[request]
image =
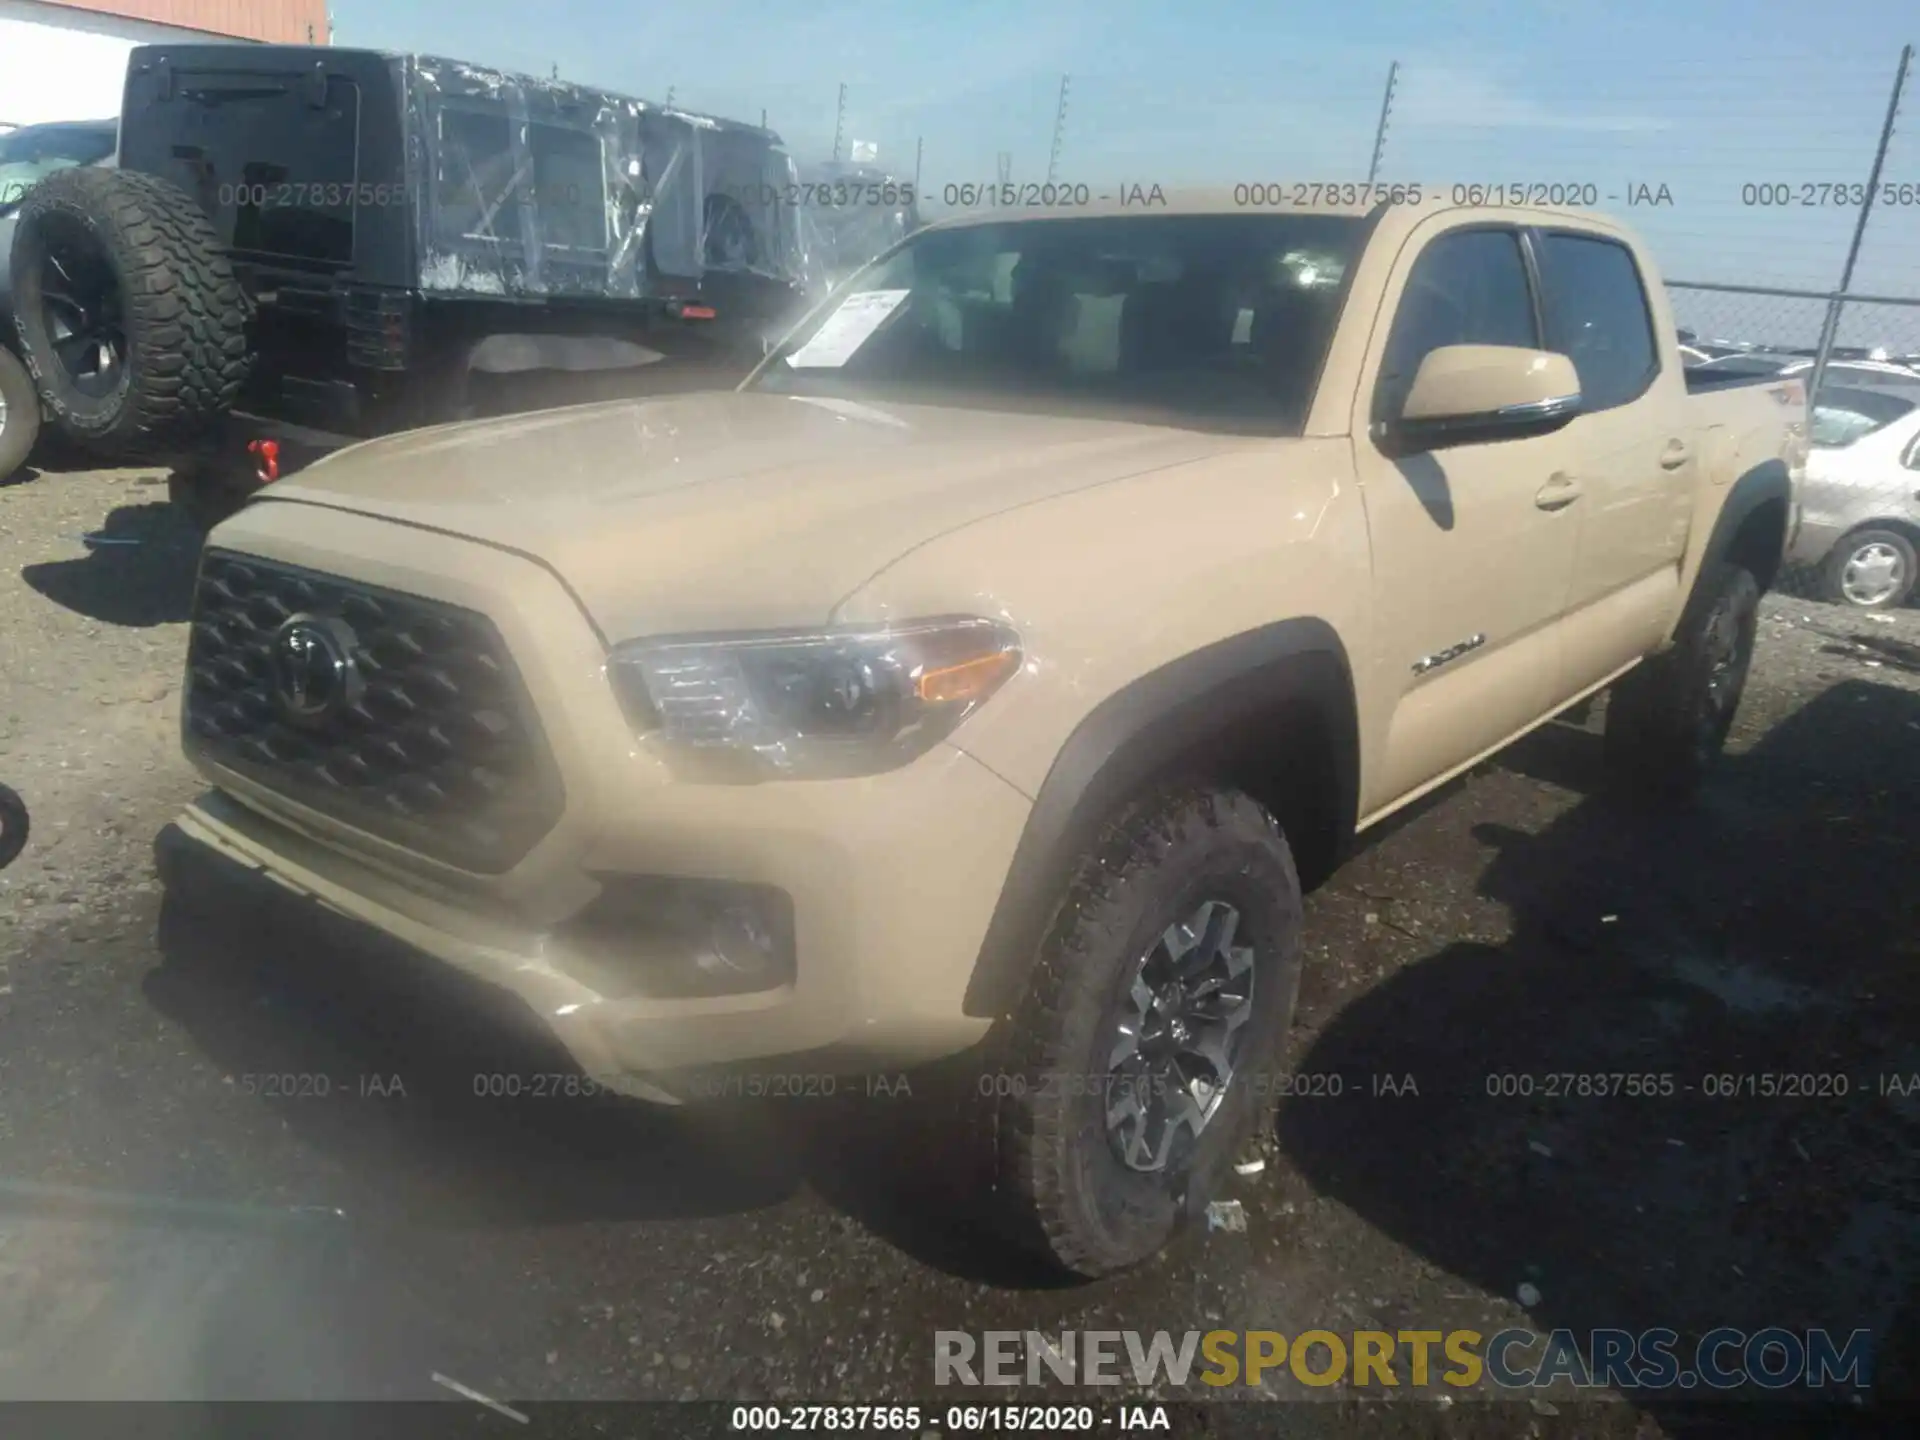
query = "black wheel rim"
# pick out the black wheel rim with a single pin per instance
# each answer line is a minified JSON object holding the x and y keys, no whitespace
{"x":1178,"y":1037}
{"x":85,"y":318}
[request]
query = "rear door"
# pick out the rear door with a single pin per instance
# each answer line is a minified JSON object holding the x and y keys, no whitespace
{"x":271,"y":157}
{"x":295,"y":154}
{"x":1472,"y":551}
{"x":1631,"y":451}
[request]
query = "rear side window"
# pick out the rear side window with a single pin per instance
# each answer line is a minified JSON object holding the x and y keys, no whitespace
{"x":486,"y":185}
{"x":1467,"y":288}
{"x":1845,"y":415}
{"x":1597,"y":315}
{"x":1835,"y":427}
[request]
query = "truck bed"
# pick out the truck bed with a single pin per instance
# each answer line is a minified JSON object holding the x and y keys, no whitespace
{"x":1700,"y":380}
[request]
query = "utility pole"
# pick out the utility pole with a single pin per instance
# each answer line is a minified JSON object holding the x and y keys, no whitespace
{"x":1059,"y":130}
{"x":1003,"y":163}
{"x":1830,"y":328}
{"x":840,"y":121}
{"x":669,"y":97}
{"x":919,"y":153}
{"x":1380,"y":130}
{"x":763,"y":119}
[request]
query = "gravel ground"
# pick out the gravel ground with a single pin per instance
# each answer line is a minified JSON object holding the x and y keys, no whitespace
{"x":169,"y":1230}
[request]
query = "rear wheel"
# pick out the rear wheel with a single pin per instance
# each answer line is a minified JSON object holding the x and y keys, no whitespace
{"x":19,"y":414}
{"x":1139,"y":1062}
{"x":132,"y":321}
{"x":1870,"y":570}
{"x":1667,"y":721}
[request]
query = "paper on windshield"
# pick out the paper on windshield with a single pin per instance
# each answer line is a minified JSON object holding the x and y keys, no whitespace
{"x":847,"y":329}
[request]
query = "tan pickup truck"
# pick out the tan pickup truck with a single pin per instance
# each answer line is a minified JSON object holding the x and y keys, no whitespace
{"x":995,"y":665}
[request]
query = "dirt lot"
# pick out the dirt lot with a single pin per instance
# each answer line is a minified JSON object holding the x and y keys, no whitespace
{"x":169,"y":1230}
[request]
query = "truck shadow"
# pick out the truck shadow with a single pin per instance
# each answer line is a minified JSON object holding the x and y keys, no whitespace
{"x":1771,"y":931}
{"x":138,"y":570}
{"x":447,"y":1104}
{"x":440,"y":1101}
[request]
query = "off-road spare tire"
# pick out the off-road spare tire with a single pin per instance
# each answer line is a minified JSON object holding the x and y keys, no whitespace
{"x":129,"y":314}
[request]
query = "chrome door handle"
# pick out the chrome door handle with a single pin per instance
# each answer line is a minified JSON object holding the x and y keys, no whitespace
{"x":1675,"y":455}
{"x":1558,"y":493}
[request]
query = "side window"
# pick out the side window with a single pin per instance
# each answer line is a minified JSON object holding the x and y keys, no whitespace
{"x":1597,"y":315}
{"x":1467,"y":288}
{"x":1834,"y":428}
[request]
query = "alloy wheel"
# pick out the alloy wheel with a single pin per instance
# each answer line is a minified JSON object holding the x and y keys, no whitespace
{"x":1178,"y":1037}
{"x":1873,"y":573}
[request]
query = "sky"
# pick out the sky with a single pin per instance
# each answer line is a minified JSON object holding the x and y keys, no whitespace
{"x":1706,"y":98}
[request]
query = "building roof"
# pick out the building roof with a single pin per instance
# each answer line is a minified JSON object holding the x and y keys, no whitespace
{"x":297,"y":22}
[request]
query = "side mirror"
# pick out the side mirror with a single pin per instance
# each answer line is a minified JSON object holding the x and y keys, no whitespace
{"x":1473,"y":394}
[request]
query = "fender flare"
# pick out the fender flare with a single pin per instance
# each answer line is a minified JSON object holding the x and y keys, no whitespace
{"x":1151,"y":727}
{"x":1766,"y":482}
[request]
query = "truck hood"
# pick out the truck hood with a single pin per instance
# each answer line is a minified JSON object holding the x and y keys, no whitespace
{"x":728,"y":510}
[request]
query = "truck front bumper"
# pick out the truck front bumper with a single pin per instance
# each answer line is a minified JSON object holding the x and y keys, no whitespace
{"x":887,"y":883}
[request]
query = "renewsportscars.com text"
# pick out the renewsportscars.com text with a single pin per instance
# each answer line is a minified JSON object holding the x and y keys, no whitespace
{"x":1723,"y":1359}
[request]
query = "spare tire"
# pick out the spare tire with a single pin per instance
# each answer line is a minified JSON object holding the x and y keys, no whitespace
{"x":130,"y":316}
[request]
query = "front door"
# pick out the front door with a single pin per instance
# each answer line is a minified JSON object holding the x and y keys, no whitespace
{"x":1473,"y":545}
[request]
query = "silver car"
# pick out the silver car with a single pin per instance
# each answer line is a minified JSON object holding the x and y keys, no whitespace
{"x":1860,"y":506}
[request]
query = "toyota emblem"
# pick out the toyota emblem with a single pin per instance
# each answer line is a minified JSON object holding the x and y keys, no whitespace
{"x":314,"y":675}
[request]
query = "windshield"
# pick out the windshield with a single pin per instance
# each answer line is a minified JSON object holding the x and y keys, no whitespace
{"x":28,"y":156}
{"x":1209,"y":320}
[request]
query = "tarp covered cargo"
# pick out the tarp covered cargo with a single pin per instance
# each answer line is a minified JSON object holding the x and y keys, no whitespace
{"x":850,"y":214}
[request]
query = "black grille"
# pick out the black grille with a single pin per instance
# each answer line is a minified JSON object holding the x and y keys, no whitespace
{"x":440,"y":751}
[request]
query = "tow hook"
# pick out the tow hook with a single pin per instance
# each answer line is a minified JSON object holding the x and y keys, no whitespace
{"x":267,"y":460}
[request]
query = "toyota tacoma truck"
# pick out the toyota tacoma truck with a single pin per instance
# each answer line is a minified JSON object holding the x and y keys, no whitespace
{"x":986,"y":676}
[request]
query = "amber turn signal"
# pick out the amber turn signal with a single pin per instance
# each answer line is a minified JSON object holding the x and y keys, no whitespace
{"x":968,"y":681}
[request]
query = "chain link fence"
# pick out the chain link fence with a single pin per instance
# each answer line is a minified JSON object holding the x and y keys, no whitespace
{"x":1860,"y":508}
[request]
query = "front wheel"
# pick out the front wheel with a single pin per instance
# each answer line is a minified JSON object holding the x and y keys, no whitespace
{"x":1667,"y":721}
{"x":1870,"y":570}
{"x":1140,"y":1060}
{"x":19,"y":414}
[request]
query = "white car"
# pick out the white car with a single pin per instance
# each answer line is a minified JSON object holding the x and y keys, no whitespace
{"x":1860,"y":504}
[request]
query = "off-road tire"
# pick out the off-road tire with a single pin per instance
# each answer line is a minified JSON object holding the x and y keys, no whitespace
{"x":184,"y":313}
{"x":1833,"y":568}
{"x":19,"y":414}
{"x":1063,"y":1187}
{"x":1666,"y":721}
{"x":13,"y":826}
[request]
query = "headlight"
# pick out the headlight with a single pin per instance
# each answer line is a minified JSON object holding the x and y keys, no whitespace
{"x":816,"y":703}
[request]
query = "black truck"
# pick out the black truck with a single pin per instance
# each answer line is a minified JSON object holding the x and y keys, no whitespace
{"x":304,"y":246}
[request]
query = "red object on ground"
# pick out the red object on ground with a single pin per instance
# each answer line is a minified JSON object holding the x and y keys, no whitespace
{"x":269,"y":452}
